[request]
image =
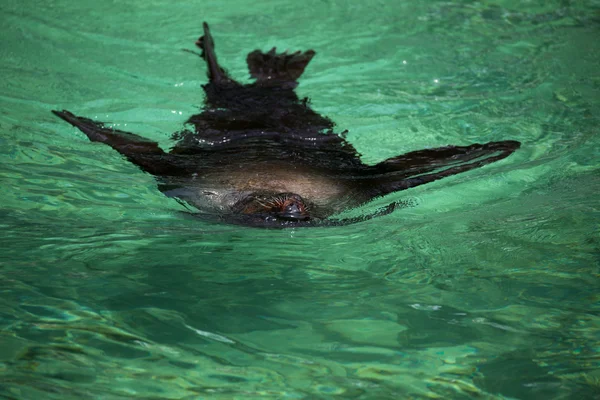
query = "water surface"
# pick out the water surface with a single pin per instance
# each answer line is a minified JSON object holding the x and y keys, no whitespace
{"x":487,"y":287}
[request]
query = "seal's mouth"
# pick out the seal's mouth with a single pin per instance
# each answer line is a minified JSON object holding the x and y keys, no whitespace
{"x":281,"y":206}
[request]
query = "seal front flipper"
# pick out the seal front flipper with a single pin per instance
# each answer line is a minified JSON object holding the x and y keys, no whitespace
{"x":142,"y":152}
{"x":424,"y":166}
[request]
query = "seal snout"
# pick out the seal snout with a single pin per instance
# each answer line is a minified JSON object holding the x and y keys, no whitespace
{"x":293,"y":208}
{"x":283,"y":206}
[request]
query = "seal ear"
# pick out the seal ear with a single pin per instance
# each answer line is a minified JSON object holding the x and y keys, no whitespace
{"x":142,"y":152}
{"x":424,"y":166}
{"x":278,"y":69}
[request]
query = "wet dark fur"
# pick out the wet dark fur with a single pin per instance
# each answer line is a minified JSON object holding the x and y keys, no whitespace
{"x":254,"y":143}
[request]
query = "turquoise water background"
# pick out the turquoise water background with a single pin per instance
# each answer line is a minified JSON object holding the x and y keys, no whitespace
{"x":488,"y":287}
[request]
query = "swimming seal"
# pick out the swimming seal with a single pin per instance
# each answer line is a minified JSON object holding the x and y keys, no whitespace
{"x":260,"y":156}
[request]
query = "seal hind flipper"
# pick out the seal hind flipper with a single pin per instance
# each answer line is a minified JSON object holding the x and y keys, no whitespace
{"x":424,"y":166}
{"x":278,"y":69}
{"x":269,"y":69}
{"x":216,"y":74}
{"x":267,"y":110}
{"x":142,"y":152}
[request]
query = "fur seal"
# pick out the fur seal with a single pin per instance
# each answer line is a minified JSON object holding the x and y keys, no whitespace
{"x":258,"y":155}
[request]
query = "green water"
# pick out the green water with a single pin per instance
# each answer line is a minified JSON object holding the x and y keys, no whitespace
{"x":487,"y":288}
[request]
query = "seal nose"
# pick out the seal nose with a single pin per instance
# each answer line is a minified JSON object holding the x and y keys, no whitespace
{"x":294,"y":209}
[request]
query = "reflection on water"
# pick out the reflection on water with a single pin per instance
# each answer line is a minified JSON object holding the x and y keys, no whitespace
{"x":486,"y":287}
